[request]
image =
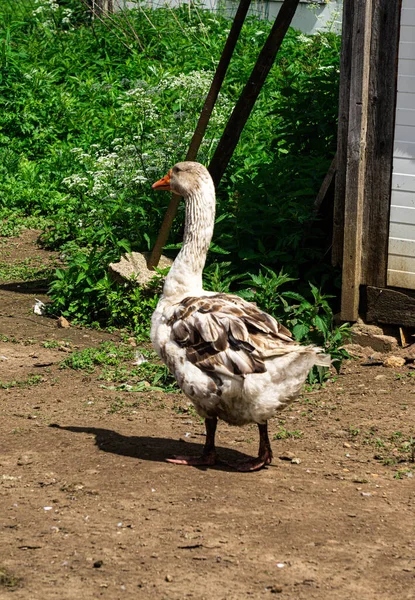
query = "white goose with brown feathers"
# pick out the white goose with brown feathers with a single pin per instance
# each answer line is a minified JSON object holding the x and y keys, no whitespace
{"x":234,"y":361}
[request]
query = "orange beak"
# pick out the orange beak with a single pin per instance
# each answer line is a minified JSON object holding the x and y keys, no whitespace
{"x":163,"y":183}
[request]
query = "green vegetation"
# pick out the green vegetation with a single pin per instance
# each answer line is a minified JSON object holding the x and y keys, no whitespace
{"x":7,"y":579}
{"x":124,"y":367}
{"x":391,"y":448}
{"x":285,"y":434}
{"x":24,"y":270}
{"x":91,"y":114}
{"x":23,"y":383}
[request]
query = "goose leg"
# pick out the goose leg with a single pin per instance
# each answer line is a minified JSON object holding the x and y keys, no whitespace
{"x":208,"y":456}
{"x":264,"y":453}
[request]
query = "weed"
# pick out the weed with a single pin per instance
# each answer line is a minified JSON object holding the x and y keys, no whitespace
{"x":401,"y":473}
{"x":24,"y":271}
{"x":353,"y":431}
{"x":51,"y":344}
{"x":106,"y":354}
{"x":7,"y":579}
{"x":117,"y":367}
{"x":117,"y":405}
{"x":189,"y":409}
{"x":284,"y":434}
{"x":23,"y":383}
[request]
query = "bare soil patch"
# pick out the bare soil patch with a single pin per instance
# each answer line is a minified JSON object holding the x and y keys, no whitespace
{"x":90,"y":509}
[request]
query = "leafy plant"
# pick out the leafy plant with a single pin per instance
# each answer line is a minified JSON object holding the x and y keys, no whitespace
{"x":92,"y":114}
{"x":115,"y":362}
{"x":311,"y":321}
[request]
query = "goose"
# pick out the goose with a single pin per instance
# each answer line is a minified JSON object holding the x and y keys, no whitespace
{"x":231,"y":359}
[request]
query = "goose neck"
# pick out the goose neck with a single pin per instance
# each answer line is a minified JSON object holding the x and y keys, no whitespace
{"x":185,"y":276}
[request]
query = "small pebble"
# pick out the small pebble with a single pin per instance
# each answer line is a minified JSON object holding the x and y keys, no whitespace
{"x":394,"y":361}
{"x":62,"y":322}
{"x":169,"y":578}
{"x":25,"y":459}
{"x":98,"y":564}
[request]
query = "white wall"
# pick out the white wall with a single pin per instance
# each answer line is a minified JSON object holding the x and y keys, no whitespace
{"x":401,"y":259}
{"x":311,"y":15}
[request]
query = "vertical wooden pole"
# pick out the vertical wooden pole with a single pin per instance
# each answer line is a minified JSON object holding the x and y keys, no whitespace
{"x":246,"y":101}
{"x":201,"y":125}
{"x":342,"y":131}
{"x":356,"y":160}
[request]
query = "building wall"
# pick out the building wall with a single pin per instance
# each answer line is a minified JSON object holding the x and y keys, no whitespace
{"x":311,"y":16}
{"x":401,"y":256}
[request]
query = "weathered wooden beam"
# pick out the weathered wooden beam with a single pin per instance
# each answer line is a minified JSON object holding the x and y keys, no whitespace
{"x":342,"y":132}
{"x":326,"y":184}
{"x":356,"y":160}
{"x":250,"y":93}
{"x":202,"y":124}
{"x":392,"y":307}
{"x":380,"y":139}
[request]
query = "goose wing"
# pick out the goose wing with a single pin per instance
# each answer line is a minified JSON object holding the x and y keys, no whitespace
{"x":225,"y":335}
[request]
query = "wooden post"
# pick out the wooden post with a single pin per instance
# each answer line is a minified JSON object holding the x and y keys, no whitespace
{"x":201,"y":125}
{"x":356,"y":160}
{"x":245,"y":104}
{"x":342,"y":132}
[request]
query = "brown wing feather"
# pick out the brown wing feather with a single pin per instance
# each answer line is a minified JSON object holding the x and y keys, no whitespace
{"x":226,"y":335}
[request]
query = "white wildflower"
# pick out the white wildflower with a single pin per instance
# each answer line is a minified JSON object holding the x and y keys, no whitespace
{"x":305,"y":39}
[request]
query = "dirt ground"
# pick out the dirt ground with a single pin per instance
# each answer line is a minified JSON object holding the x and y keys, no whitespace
{"x":89,"y":507}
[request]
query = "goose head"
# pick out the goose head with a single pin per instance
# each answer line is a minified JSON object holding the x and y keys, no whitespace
{"x":185,"y":179}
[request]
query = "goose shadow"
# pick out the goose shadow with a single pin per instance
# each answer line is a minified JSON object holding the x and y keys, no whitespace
{"x":154,"y":449}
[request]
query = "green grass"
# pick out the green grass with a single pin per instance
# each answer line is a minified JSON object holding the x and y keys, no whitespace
{"x":24,"y":270}
{"x":114,"y":364}
{"x":23,"y":383}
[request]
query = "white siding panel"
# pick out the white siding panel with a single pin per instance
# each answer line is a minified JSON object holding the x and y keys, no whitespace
{"x":408,"y":16}
{"x":407,"y":67}
{"x":406,"y":84}
{"x":402,"y":263}
{"x":402,"y":214}
{"x":401,"y":247}
{"x":404,"y":149}
{"x":407,"y":34}
{"x":403,"y":199}
{"x":406,"y":100}
{"x":402,"y":231}
{"x":401,"y":279}
{"x":403,"y":182}
{"x":407,"y":50}
{"x":404,"y":165}
{"x":401,"y":253}
{"x":405,"y":116}
{"x":403,"y":133}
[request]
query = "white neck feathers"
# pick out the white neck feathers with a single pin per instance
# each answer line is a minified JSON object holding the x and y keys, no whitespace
{"x":185,"y":276}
